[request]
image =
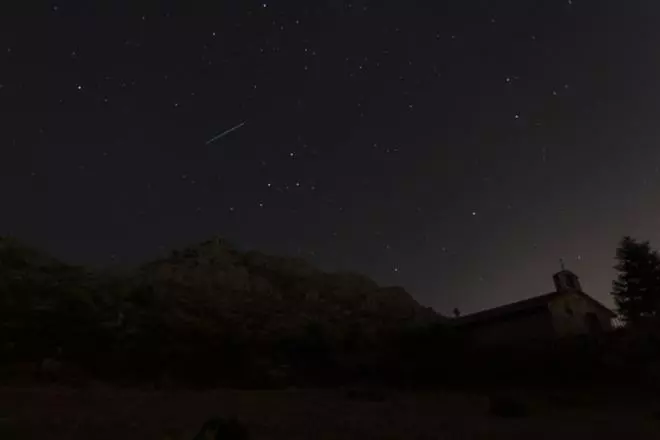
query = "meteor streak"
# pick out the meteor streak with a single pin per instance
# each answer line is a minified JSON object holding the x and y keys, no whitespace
{"x":225,"y":133}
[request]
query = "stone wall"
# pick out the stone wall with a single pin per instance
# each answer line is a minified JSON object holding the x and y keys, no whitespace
{"x":569,"y":315}
{"x":528,"y":326}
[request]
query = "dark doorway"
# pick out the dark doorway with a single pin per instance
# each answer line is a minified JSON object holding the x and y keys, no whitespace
{"x":593,"y":323}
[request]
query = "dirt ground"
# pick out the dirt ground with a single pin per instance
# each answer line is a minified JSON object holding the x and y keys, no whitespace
{"x":103,"y":413}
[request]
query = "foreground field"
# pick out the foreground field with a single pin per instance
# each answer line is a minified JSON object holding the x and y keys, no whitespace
{"x":102,"y":413}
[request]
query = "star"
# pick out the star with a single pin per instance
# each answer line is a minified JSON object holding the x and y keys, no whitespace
{"x":430,"y":97}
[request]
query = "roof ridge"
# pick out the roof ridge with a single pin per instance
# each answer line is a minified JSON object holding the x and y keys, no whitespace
{"x":523,"y":304}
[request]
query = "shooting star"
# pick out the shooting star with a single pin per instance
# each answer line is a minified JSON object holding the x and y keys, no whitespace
{"x":225,"y":133}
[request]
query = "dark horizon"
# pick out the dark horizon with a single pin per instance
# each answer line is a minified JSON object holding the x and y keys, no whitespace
{"x":458,"y":150}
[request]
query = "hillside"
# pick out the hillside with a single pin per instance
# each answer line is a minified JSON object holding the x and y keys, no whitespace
{"x":263,"y":296}
{"x":242,"y":313}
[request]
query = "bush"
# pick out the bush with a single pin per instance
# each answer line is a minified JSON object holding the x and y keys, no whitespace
{"x":507,"y":406}
{"x":222,"y":429}
{"x":366,"y":394}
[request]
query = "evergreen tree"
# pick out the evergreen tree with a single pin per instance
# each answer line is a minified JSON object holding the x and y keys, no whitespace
{"x":636,"y":290}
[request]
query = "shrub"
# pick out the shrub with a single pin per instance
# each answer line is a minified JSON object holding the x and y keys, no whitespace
{"x":222,"y":429}
{"x":507,"y":406}
{"x":366,"y":395}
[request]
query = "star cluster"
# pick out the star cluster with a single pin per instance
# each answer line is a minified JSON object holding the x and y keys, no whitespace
{"x":456,"y":148}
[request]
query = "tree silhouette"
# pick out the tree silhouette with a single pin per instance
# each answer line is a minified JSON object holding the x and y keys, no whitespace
{"x":636,"y":290}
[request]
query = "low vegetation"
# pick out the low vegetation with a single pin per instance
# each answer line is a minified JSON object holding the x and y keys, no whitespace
{"x":210,"y":316}
{"x":507,"y":407}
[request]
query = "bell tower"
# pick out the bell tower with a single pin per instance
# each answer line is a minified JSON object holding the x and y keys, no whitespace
{"x":566,"y":280}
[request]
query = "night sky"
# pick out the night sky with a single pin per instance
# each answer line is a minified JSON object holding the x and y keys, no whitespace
{"x":455,"y":148}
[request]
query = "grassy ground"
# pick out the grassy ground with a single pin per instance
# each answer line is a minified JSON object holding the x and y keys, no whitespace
{"x":103,"y":413}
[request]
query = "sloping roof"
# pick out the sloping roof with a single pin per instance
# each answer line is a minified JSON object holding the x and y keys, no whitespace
{"x":507,"y":310}
{"x":525,"y":306}
{"x":598,"y":304}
